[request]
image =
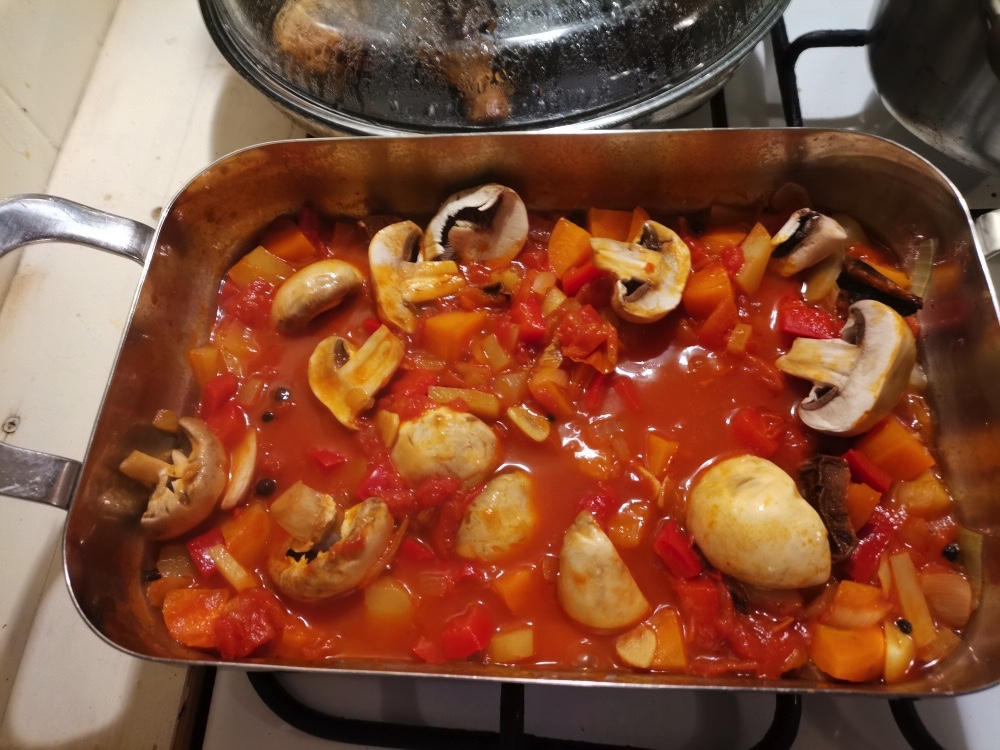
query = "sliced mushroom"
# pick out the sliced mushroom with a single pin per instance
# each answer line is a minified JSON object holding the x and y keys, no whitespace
{"x":188,"y":491}
{"x":402,"y":279}
{"x":858,"y":280}
{"x":443,"y":442}
{"x":651,"y":272}
{"x":807,"y":238}
{"x":750,"y":521}
{"x":594,"y":586}
{"x":318,"y":287}
{"x":858,"y":378}
{"x":499,"y":518}
{"x":487,"y":224}
{"x":355,"y":557}
{"x":346,"y":380}
{"x":824,"y":482}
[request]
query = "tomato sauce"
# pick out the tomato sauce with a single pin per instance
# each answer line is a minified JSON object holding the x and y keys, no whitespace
{"x":707,"y":399}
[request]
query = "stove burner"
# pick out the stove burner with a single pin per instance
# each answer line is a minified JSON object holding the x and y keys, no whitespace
{"x":779,"y":736}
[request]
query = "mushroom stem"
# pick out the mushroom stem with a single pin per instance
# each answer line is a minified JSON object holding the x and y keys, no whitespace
{"x":823,"y":361}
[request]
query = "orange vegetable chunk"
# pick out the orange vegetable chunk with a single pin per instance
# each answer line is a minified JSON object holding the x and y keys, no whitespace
{"x":517,"y":587}
{"x":896,"y":450}
{"x":853,"y":655}
{"x":260,"y":264}
{"x":246,"y":534}
{"x":189,"y":614}
{"x":614,"y":225}
{"x":449,"y":335}
{"x":639,"y":217}
{"x":569,"y":246}
{"x":861,"y":503}
{"x":206,"y":362}
{"x":285,"y":240}
{"x":706,"y":289}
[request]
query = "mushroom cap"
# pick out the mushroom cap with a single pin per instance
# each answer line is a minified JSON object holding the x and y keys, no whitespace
{"x":499,"y":518}
{"x":651,"y":272}
{"x":189,"y":493}
{"x":859,"y":378}
{"x":594,"y":586}
{"x":487,"y":224}
{"x":342,"y":568}
{"x":346,"y":379}
{"x":748,"y":518}
{"x":311,"y":290}
{"x":807,"y":238}
{"x":443,"y":442}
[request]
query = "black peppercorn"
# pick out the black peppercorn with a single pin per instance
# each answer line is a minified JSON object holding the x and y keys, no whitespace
{"x":282,"y":394}
{"x":950,"y":552}
{"x":267,"y":416}
{"x":904,"y":626}
{"x":266,"y":487}
{"x":151,"y":575}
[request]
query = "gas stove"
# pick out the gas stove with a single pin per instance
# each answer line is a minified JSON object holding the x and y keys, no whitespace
{"x":118,"y":114}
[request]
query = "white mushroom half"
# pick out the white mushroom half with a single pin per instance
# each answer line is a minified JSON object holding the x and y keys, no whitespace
{"x":311,"y":290}
{"x":403,"y":279}
{"x":443,"y":442}
{"x":595,"y":587}
{"x":355,"y":551}
{"x":499,"y":518}
{"x":189,"y":487}
{"x":487,"y":224}
{"x":807,"y":238}
{"x":857,"y":379}
{"x":748,"y":518}
{"x":651,"y":272}
{"x":346,"y":379}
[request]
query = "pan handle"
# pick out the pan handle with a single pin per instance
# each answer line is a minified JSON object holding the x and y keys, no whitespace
{"x":26,"y":219}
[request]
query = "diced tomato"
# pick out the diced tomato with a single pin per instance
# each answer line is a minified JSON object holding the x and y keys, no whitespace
{"x":199,"y":548}
{"x":600,"y":505}
{"x":584,"y":336}
{"x":467,"y":633}
{"x":796,"y":318}
{"x":873,"y":540}
{"x":757,"y":430}
{"x":707,"y":608}
{"x":527,"y":314}
{"x":865,"y":471}
{"x":326,"y":459}
{"x":251,"y":304}
{"x":626,"y":390}
{"x":228,"y":423}
{"x":217,"y":392}
{"x":407,"y":393}
{"x":773,"y":653}
{"x":574,"y":279}
{"x":429,"y":651}
{"x":371,"y":324}
{"x":535,"y":258}
{"x":435,"y":490}
{"x":246,"y":622}
{"x":675,"y":550}
{"x":385,"y":483}
{"x":732,"y":258}
{"x":414,"y":549}
{"x":594,"y":395}
{"x":450,"y":514}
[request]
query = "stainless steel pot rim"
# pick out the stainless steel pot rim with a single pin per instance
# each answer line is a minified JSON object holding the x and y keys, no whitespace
{"x":286,"y":96}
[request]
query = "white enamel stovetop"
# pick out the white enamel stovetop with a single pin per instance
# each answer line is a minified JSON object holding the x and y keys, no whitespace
{"x":116,"y":104}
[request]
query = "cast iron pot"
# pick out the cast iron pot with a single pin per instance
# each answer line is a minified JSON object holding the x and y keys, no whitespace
{"x":909,"y":204}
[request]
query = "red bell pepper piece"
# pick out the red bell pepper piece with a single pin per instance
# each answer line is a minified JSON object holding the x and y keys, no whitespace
{"x":199,"y":548}
{"x":467,"y":633}
{"x":217,"y":392}
{"x":676,"y":551}
{"x":873,"y":540}
{"x":428,"y":650}
{"x":415,"y":550}
{"x":865,"y":471}
{"x":797,"y":318}
{"x":326,"y":459}
{"x":527,"y":314}
{"x":574,"y":279}
{"x":626,"y":390}
{"x":594,"y":394}
{"x":308,"y":221}
{"x":228,"y":423}
{"x":246,"y":622}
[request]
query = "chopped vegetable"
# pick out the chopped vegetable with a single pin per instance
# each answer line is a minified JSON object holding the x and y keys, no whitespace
{"x":467,"y":633}
{"x":675,"y":550}
{"x":569,"y":246}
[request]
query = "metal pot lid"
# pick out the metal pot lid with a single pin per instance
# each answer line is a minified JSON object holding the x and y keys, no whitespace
{"x":397,"y":66}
